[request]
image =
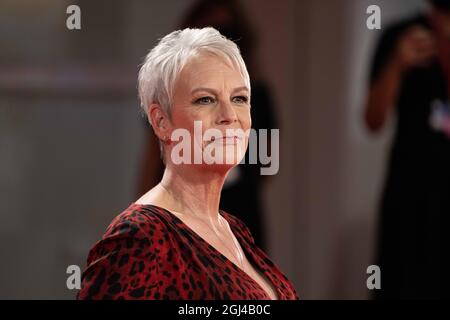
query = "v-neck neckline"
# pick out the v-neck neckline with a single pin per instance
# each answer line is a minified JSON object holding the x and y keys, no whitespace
{"x":238,"y":237}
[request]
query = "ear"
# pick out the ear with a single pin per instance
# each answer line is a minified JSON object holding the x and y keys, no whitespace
{"x":159,"y":120}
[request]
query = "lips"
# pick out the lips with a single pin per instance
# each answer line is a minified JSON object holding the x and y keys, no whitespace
{"x":226,"y":139}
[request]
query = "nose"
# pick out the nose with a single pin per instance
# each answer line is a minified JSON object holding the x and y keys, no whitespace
{"x":227,"y":114}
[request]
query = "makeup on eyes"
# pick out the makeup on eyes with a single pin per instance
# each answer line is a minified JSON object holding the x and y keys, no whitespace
{"x":244,"y":99}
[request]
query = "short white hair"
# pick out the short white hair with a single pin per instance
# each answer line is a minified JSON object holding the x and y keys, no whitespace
{"x":165,"y":61}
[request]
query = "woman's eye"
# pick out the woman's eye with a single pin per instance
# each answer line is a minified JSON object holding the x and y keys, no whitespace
{"x":204,"y":100}
{"x":240,"y":99}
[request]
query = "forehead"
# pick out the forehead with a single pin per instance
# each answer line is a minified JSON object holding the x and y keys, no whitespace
{"x":209,"y":70}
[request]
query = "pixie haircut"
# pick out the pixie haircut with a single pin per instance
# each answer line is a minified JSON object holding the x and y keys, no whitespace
{"x":164,"y":62}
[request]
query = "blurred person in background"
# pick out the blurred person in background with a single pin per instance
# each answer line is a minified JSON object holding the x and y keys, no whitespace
{"x":242,"y":192}
{"x":175,"y":242}
{"x":410,"y":76}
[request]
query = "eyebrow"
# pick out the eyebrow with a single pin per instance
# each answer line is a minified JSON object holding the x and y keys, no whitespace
{"x":212,"y":91}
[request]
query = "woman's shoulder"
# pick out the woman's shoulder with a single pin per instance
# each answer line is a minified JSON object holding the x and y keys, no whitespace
{"x":128,"y":257}
{"x":137,"y":220}
{"x":136,"y":227}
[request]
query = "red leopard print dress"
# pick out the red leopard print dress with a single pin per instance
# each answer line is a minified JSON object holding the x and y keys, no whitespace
{"x":149,"y":253}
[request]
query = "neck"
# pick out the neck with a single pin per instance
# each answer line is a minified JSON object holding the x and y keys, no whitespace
{"x":193,"y":191}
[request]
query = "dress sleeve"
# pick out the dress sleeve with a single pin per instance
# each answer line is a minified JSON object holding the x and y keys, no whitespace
{"x":125,"y":264}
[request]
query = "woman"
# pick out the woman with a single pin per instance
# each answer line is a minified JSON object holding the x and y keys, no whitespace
{"x":174,"y":242}
{"x":242,"y":191}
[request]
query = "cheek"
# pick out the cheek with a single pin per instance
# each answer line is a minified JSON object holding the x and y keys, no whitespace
{"x":246,"y":119}
{"x":246,"y":123}
{"x":183,"y":119}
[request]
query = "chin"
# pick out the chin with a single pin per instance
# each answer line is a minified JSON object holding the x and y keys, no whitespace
{"x":230,"y":157}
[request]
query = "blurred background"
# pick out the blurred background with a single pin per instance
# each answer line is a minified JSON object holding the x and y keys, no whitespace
{"x":72,"y":141}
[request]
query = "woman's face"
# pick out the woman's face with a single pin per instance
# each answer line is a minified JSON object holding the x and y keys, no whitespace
{"x":211,"y":91}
